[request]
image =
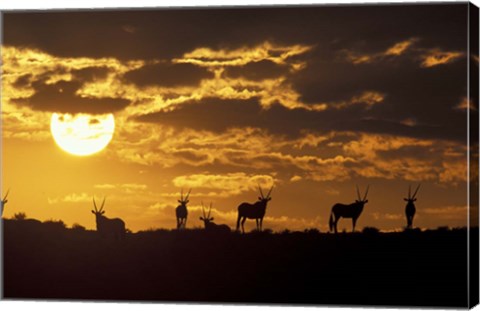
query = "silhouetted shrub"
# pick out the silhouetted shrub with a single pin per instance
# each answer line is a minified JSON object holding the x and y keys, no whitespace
{"x":370,"y":230}
{"x":20,"y":216}
{"x":78,"y":227}
{"x":443,"y":228}
{"x":55,"y":224}
{"x":312,"y":231}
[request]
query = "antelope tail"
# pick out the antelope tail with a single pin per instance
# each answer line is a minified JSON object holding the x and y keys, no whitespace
{"x":330,"y":223}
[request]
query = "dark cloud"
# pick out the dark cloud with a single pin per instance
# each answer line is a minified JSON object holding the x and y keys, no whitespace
{"x":211,"y":114}
{"x":218,"y":115}
{"x":60,"y":97}
{"x":168,"y":74}
{"x":424,"y":94}
{"x":167,"y":33}
{"x":257,"y":71}
{"x":90,"y":74}
{"x":22,"y":81}
{"x":190,"y":156}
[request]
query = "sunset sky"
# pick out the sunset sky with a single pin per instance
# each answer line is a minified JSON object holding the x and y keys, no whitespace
{"x":313,"y":100}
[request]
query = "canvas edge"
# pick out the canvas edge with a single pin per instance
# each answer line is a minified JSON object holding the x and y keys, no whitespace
{"x":473,"y":159}
{"x":473,"y":121}
{"x":2,"y":297}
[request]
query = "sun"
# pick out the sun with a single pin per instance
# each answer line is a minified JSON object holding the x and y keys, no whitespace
{"x":82,"y":134}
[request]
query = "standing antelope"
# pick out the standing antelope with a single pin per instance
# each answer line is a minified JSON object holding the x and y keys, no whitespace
{"x":410,"y":208}
{"x":3,"y":202}
{"x":347,"y":211}
{"x":209,"y":224}
{"x":181,"y":211}
{"x":254,"y":211}
{"x":106,"y":226}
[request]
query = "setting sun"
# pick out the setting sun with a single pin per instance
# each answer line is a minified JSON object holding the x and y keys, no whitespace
{"x":82,"y":134}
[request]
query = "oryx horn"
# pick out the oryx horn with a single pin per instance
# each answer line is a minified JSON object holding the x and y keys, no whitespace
{"x":366,"y":193}
{"x":269,"y":192}
{"x":95,"y":204}
{"x":188,"y":194}
{"x":103,"y":203}
{"x":261,"y":192}
{"x":415,"y":193}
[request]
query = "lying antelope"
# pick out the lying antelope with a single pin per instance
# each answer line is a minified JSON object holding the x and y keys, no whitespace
{"x":106,"y":226}
{"x":254,"y":211}
{"x":3,"y":202}
{"x":410,"y":208}
{"x":209,"y":224}
{"x":347,"y":211}
{"x":181,"y":210}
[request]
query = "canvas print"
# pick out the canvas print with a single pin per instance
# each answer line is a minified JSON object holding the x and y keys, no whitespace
{"x":300,"y":155}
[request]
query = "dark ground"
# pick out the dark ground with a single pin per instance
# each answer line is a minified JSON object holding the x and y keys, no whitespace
{"x":47,"y":261}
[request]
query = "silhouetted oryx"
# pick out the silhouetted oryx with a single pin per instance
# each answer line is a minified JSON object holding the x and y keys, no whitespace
{"x":254,"y":211}
{"x":410,"y":208}
{"x":181,"y":211}
{"x":347,"y":211}
{"x":209,"y":224}
{"x":106,"y":226}
{"x":3,"y":202}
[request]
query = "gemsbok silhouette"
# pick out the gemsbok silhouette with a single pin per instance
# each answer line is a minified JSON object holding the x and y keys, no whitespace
{"x":209,"y":224}
{"x":3,"y":202}
{"x":352,"y":211}
{"x":181,"y":210}
{"x":410,"y":208}
{"x":105,"y":226}
{"x":254,"y":211}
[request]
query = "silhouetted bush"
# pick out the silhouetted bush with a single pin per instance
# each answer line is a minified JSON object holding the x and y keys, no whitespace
{"x":312,"y":231}
{"x":20,"y":216}
{"x":370,"y":230}
{"x":443,"y":229}
{"x":47,"y":260}
{"x":57,"y":224}
{"x":78,"y":227}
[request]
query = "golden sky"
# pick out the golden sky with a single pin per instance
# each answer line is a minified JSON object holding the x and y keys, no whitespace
{"x":314,"y":101}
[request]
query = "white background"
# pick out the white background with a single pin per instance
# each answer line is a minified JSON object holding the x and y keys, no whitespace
{"x":81,"y":306}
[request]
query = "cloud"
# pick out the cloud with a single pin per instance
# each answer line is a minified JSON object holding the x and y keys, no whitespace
{"x":168,"y":75}
{"x":387,"y":216}
{"x":127,"y":187}
{"x":45,"y":82}
{"x":437,"y":57}
{"x":230,"y":183}
{"x":447,"y":212}
{"x":71,"y":198}
{"x":277,"y":54}
{"x":257,"y":71}
{"x":295,"y":178}
{"x":60,"y":97}
{"x":465,"y":104}
{"x":395,"y":50}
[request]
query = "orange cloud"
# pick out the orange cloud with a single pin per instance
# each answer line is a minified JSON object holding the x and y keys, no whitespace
{"x":437,"y":57}
{"x":399,"y":48}
{"x":395,"y":50}
{"x":447,"y":212}
{"x":230,"y":183}
{"x":465,"y":104}
{"x":266,"y":51}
